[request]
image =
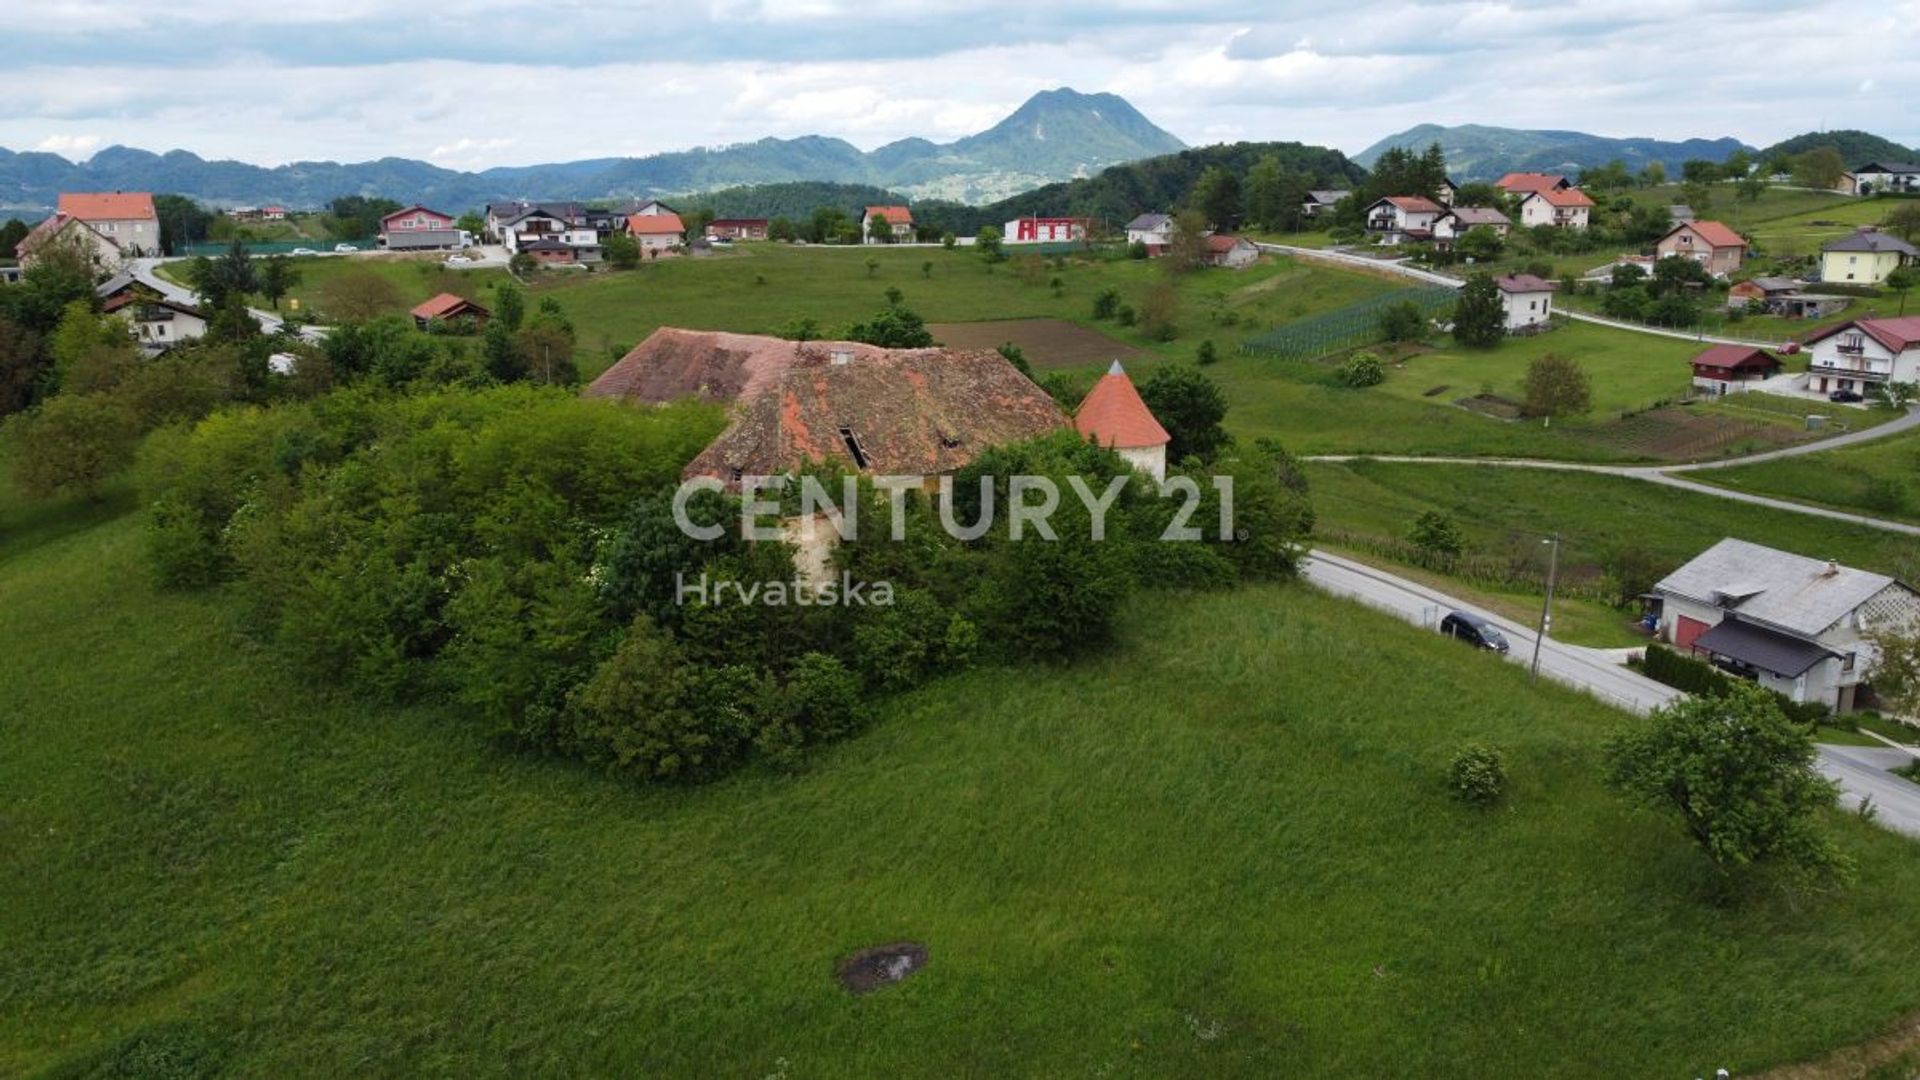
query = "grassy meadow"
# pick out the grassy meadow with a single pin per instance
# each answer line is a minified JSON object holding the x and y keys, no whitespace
{"x":1879,"y":478}
{"x":1218,"y":850}
{"x":414,"y":278}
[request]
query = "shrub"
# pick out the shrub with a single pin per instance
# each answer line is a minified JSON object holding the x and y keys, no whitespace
{"x":1206,"y":353}
{"x":1106,"y":303}
{"x":1557,"y":385}
{"x":1402,"y":322}
{"x":1124,"y":315}
{"x":1362,"y":370}
{"x":1664,"y":665}
{"x":1435,"y":533}
{"x":1477,"y":775}
{"x":71,"y":444}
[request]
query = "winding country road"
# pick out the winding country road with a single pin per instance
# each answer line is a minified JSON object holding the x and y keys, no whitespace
{"x":270,"y":322}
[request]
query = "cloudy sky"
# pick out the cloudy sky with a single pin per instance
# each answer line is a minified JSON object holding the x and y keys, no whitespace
{"x":474,"y":83}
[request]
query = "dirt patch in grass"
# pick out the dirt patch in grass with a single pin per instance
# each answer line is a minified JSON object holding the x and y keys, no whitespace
{"x":1492,"y":405}
{"x":1678,"y":434}
{"x":882,"y":965}
{"x":1047,"y":343}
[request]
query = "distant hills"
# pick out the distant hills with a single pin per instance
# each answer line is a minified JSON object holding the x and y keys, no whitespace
{"x":1056,"y":135}
{"x":1856,"y":147}
{"x":1477,"y":152}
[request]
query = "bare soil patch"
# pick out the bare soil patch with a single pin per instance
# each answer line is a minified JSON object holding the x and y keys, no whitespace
{"x":1677,"y":434}
{"x":1047,"y":343}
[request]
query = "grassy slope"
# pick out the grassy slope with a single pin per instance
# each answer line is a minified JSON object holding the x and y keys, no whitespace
{"x":1628,"y":370}
{"x":1501,"y":508}
{"x":414,"y":279}
{"x":1836,"y":478}
{"x":1188,"y":858}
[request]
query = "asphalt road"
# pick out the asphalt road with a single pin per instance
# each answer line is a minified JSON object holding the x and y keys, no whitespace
{"x":1861,"y":771}
{"x":143,"y":272}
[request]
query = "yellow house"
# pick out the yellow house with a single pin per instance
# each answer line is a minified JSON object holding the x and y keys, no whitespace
{"x":1865,"y":258}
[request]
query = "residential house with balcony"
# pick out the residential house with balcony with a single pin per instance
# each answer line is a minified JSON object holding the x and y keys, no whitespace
{"x":1880,"y":177}
{"x":1153,"y":230}
{"x":1321,"y":202}
{"x":1865,"y":258}
{"x":1863,"y":355}
{"x":157,"y":323}
{"x":1799,"y":626}
{"x":418,"y":228}
{"x":1564,"y":208}
{"x":1398,"y":219}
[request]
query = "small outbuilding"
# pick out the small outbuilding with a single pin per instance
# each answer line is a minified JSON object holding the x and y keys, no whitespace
{"x":1115,"y":416}
{"x":1730,"y":369}
{"x":450,"y":308}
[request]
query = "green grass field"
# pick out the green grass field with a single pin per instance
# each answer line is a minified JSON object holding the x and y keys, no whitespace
{"x":1505,"y":509}
{"x":414,"y":279}
{"x":1223,"y":850}
{"x":1628,"y":371}
{"x":1843,"y":479}
{"x":1802,"y":233}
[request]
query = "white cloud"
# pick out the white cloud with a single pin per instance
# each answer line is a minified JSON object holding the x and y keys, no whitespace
{"x":69,"y":144}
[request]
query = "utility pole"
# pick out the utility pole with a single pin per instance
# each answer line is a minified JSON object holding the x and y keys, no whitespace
{"x":1546,"y":609}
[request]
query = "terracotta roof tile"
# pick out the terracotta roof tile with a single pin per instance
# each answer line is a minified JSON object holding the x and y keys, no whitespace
{"x":895,"y":215}
{"x":655,"y":224}
{"x":108,"y":205}
{"x":1114,"y":415}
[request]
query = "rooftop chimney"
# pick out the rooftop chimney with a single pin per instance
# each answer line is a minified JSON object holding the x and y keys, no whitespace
{"x":1833,"y":567}
{"x":841,"y":356}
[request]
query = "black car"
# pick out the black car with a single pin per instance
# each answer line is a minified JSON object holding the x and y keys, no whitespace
{"x":1473,"y":630}
{"x":1845,"y":397}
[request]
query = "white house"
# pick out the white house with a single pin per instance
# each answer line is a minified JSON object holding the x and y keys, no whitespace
{"x":60,"y":232}
{"x":157,"y":323}
{"x":1863,"y":355}
{"x":1398,"y":218}
{"x":1793,"y":624}
{"x":656,"y":232}
{"x":1878,"y":177}
{"x":899,"y":221}
{"x":1114,"y":416}
{"x":1153,"y":230}
{"x":1566,"y":208}
{"x":1320,"y":202}
{"x":1527,"y":302}
{"x":1453,"y":224}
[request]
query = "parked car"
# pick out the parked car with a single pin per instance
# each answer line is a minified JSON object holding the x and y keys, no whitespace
{"x":459,"y":260}
{"x":344,"y":249}
{"x":1474,"y":630}
{"x":303,"y":251}
{"x":1845,"y":397}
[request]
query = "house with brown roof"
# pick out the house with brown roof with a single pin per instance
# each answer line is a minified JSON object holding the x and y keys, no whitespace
{"x":157,"y":323}
{"x":1232,"y":252}
{"x":1527,"y":302}
{"x":656,"y":232}
{"x":1114,"y":415}
{"x":1730,"y":369}
{"x":1401,"y":218}
{"x":737,"y":229}
{"x":450,"y":308}
{"x":884,"y":412}
{"x":1709,"y":243}
{"x":1564,"y":208}
{"x":1867,"y":257}
{"x":899,"y":223}
{"x":1863,"y":355}
{"x":1526,"y":183}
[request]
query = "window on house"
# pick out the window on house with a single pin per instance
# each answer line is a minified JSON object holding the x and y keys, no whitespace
{"x":1846,"y":662}
{"x":853,"y":447}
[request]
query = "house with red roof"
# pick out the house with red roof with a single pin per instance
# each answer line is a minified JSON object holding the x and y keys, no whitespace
{"x":1709,"y":243}
{"x":125,"y":217}
{"x":450,"y":308}
{"x":1115,"y":416}
{"x":1400,"y":218}
{"x":1564,"y":208}
{"x":1527,"y":301}
{"x":1863,"y":355}
{"x":1526,"y":183}
{"x":899,"y":224}
{"x":1730,"y":369}
{"x":656,"y":232}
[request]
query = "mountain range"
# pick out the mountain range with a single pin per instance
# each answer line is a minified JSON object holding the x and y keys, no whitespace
{"x":1477,"y":152}
{"x":1056,"y":135}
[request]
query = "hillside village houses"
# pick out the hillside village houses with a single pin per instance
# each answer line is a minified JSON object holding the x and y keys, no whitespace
{"x":1527,"y":302}
{"x":1793,"y":624}
{"x":1321,"y":201}
{"x":899,"y":222}
{"x":657,"y":231}
{"x":1453,"y":224}
{"x":157,"y":322}
{"x":1709,"y":243}
{"x":1519,"y":184}
{"x":113,"y":226}
{"x":1862,"y":355}
{"x":1865,"y":258}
